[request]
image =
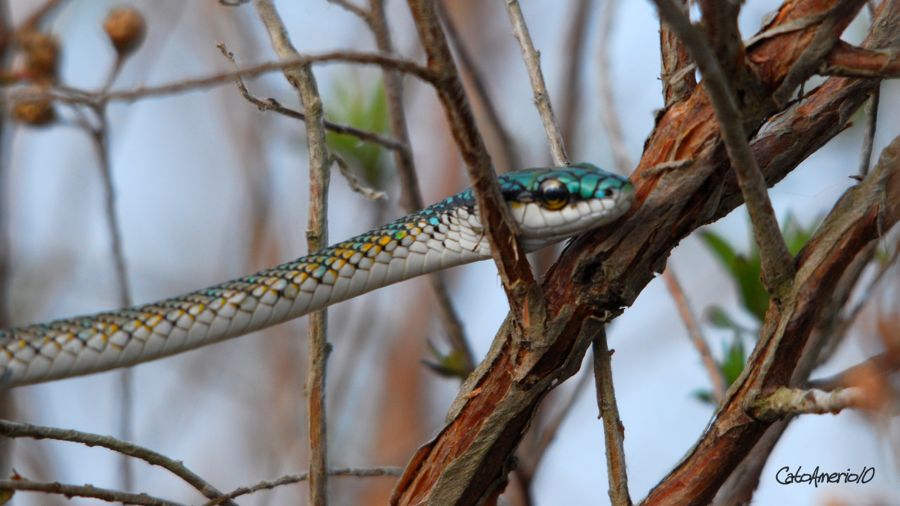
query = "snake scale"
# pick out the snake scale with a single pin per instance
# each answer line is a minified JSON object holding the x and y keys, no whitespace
{"x":548,"y":205}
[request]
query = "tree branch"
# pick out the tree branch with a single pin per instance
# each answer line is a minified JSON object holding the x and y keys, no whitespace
{"x":14,"y":430}
{"x":104,"y":494}
{"x":515,"y":272}
{"x":78,"y":96}
{"x":850,"y":61}
{"x":303,"y":80}
{"x":794,"y":401}
{"x":613,"y":430}
{"x":603,"y":271}
{"x":541,"y":96}
{"x":777,"y":264}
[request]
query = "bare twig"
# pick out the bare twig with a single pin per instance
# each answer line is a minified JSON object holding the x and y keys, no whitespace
{"x":272,"y":105}
{"x":515,"y":272}
{"x":352,"y":8}
{"x":793,"y":401}
{"x":608,"y":114}
{"x":354,"y":182}
{"x":509,"y":155}
{"x":411,"y":198}
{"x":99,"y":135}
{"x":91,"y":491}
{"x":297,"y":478}
{"x":883,"y":363}
{"x":573,"y":64}
{"x":77,"y":96}
{"x":869,"y":133}
{"x":699,"y":342}
{"x":303,"y":80}
{"x":777,"y":264}
{"x":13,"y":430}
{"x":613,"y":429}
{"x":541,"y":96}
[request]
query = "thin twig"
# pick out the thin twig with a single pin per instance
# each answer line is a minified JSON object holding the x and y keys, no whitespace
{"x":272,"y":105}
{"x":354,"y":182}
{"x":467,"y":63}
{"x":411,"y":199}
{"x":794,"y":401}
{"x":14,"y":430}
{"x":883,"y":363}
{"x":508,"y":255}
{"x":297,"y":478}
{"x":613,"y":430}
{"x":104,"y":494}
{"x":690,"y":322}
{"x":608,"y":114}
{"x":573,"y":64}
{"x":352,"y":8}
{"x":777,"y":263}
{"x":541,"y":97}
{"x":869,"y":132}
{"x":303,"y":80}
{"x":78,"y":96}
{"x":100,"y":138}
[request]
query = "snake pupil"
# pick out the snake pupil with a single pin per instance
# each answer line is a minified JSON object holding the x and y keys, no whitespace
{"x":554,"y":194}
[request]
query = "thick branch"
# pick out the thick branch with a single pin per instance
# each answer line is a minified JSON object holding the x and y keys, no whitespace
{"x":677,"y":73}
{"x":850,"y":61}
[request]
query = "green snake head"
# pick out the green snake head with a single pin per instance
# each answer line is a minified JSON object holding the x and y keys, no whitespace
{"x":552,"y":204}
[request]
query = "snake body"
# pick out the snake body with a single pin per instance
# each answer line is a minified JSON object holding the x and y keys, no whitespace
{"x":548,"y":205}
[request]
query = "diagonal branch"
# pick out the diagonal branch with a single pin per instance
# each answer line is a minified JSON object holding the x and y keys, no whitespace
{"x":515,"y":272}
{"x":541,"y":95}
{"x":777,"y":264}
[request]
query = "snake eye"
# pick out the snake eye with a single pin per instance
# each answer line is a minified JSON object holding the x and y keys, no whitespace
{"x":554,"y":194}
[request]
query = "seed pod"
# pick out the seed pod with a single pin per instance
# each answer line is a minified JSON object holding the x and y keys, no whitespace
{"x":125,"y":28}
{"x":34,"y":112}
{"x":41,"y":53}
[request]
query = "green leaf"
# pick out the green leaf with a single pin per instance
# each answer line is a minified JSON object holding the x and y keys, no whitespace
{"x":718,"y":317}
{"x":733,"y":363}
{"x":704,"y":396}
{"x":366,"y":110}
{"x":720,"y":247}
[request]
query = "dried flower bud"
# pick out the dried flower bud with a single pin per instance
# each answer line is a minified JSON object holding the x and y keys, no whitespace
{"x":125,"y":28}
{"x":41,"y":53}
{"x":35,"y":112}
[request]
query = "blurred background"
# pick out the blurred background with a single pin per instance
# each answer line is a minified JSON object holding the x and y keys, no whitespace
{"x":208,"y":188}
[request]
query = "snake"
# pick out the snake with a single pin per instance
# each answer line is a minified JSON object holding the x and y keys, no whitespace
{"x":547,"y":206}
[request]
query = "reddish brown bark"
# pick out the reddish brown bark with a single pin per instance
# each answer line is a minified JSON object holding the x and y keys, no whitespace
{"x":602,"y":272}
